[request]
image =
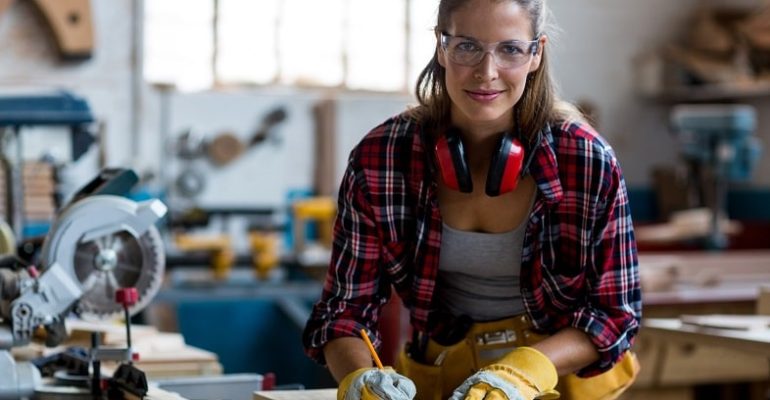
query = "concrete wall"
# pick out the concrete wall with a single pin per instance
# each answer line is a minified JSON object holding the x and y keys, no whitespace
{"x":593,"y":60}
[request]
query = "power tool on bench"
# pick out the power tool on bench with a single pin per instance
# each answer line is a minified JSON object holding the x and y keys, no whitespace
{"x":101,"y":245}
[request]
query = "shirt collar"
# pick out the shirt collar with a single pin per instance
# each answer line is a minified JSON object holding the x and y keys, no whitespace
{"x":545,"y":167}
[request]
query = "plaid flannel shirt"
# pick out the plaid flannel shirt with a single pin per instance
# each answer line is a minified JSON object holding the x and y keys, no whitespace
{"x":579,"y":263}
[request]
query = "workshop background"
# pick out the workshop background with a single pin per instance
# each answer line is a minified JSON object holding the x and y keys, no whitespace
{"x":239,"y":116}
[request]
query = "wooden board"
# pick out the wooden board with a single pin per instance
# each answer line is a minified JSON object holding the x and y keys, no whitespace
{"x":317,"y":394}
{"x":72,"y":25}
{"x":677,"y":355}
{"x":4,"y":4}
{"x":723,"y":321}
{"x":752,"y":342}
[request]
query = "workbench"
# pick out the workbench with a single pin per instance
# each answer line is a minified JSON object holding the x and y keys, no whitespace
{"x":317,"y":394}
{"x":701,"y":282}
{"x":676,"y":358}
{"x":755,"y":342}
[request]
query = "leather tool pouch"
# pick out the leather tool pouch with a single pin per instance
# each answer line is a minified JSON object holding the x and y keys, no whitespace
{"x":442,"y":368}
{"x":606,"y":386}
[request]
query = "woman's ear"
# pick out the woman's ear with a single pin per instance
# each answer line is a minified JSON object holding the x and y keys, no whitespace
{"x":538,"y":57}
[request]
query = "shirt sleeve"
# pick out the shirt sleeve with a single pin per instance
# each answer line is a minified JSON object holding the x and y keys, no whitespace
{"x":352,"y":296}
{"x":612,"y":313}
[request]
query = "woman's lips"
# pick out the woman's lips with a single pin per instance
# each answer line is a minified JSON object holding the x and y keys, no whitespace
{"x":483,"y":95}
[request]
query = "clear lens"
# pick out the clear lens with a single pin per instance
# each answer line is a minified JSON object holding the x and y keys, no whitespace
{"x":469,"y":52}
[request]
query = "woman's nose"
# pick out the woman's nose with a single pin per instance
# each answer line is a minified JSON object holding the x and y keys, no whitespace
{"x":487,"y":67}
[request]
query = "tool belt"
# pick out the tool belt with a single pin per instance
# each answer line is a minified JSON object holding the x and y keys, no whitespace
{"x":438,"y":369}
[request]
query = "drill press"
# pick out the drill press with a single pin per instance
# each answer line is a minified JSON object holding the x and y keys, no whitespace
{"x":717,"y":143}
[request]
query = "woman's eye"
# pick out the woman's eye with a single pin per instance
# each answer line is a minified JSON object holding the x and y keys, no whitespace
{"x":467,"y":47}
{"x":511,"y":49}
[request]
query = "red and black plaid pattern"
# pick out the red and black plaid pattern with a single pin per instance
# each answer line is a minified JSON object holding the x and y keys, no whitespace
{"x":579,"y":262}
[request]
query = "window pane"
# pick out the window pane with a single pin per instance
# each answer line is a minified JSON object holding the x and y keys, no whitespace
{"x":310,"y":42}
{"x":422,"y":41}
{"x":178,"y":45}
{"x":247,"y":41}
{"x":375,"y":44}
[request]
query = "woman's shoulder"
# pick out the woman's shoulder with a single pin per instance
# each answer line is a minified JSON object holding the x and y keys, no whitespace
{"x":575,"y":134}
{"x":396,"y":131}
{"x":402,"y":125}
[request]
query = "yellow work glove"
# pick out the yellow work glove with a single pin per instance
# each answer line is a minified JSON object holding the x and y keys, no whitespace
{"x":523,"y":374}
{"x":376,"y":384}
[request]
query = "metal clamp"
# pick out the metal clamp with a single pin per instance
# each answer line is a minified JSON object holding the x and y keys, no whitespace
{"x":496,"y":337}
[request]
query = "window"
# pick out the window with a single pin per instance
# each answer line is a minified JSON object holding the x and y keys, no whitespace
{"x":353,"y":44}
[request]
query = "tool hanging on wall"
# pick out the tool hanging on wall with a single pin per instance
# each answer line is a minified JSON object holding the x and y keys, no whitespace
{"x":226,"y":146}
{"x":4,"y":4}
{"x":71,"y":24}
{"x":189,"y":147}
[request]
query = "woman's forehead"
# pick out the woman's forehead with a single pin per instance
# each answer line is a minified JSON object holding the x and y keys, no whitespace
{"x":491,"y":21}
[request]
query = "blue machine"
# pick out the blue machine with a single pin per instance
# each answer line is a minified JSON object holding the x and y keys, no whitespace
{"x":719,"y":136}
{"x":717,"y":142}
{"x":42,"y":108}
{"x":59,"y":108}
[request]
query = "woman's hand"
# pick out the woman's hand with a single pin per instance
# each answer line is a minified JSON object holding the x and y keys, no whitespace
{"x":523,"y":374}
{"x":376,"y":384}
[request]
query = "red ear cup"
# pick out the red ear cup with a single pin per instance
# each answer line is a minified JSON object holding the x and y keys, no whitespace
{"x":505,"y":167}
{"x":452,"y":163}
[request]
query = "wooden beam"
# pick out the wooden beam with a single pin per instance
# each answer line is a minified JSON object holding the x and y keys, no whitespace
{"x":4,"y":5}
{"x":72,"y":26}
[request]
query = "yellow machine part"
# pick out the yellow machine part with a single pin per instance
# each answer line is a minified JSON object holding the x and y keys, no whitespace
{"x":7,"y":239}
{"x":219,"y":248}
{"x":320,"y":209}
{"x":264,"y":247}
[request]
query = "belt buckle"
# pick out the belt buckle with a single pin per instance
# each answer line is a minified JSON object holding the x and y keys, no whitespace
{"x":502,"y":336}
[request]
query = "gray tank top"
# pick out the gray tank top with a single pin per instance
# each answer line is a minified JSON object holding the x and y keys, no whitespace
{"x":479,"y":273}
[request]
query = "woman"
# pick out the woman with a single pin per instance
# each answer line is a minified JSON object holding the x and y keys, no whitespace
{"x":500,"y":218}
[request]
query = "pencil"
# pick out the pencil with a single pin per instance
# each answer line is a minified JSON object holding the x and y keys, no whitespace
{"x":371,"y":349}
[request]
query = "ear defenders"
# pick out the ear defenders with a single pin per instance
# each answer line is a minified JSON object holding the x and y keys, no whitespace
{"x":505,"y":168}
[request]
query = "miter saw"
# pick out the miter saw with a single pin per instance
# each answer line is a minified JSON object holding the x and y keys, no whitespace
{"x":100,"y":245}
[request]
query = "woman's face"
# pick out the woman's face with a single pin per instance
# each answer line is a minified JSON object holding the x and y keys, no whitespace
{"x":483,"y":95}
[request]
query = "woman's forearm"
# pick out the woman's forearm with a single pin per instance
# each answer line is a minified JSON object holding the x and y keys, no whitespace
{"x":345,"y":355}
{"x":569,"y":350}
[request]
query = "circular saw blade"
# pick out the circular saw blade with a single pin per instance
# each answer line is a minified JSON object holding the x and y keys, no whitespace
{"x":117,"y":261}
{"x":106,"y":243}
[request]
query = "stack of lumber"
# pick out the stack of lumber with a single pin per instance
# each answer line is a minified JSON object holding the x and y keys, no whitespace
{"x":161,"y":354}
{"x":39,"y":187}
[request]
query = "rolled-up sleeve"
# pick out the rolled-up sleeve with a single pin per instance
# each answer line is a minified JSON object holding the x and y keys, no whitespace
{"x":352,"y":296}
{"x":611,"y":315}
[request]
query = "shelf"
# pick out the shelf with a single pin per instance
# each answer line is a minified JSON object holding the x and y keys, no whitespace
{"x":714,"y":93}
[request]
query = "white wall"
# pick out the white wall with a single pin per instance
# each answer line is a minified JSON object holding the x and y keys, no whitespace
{"x":592,"y":60}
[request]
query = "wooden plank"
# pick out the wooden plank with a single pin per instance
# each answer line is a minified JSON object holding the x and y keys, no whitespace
{"x":671,"y":357}
{"x":724,"y":321}
{"x":690,"y":278}
{"x":316,"y":394}
{"x":674,"y":393}
{"x":755,"y":341}
{"x":72,"y":25}
{"x":4,"y":4}
{"x":763,"y":302}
